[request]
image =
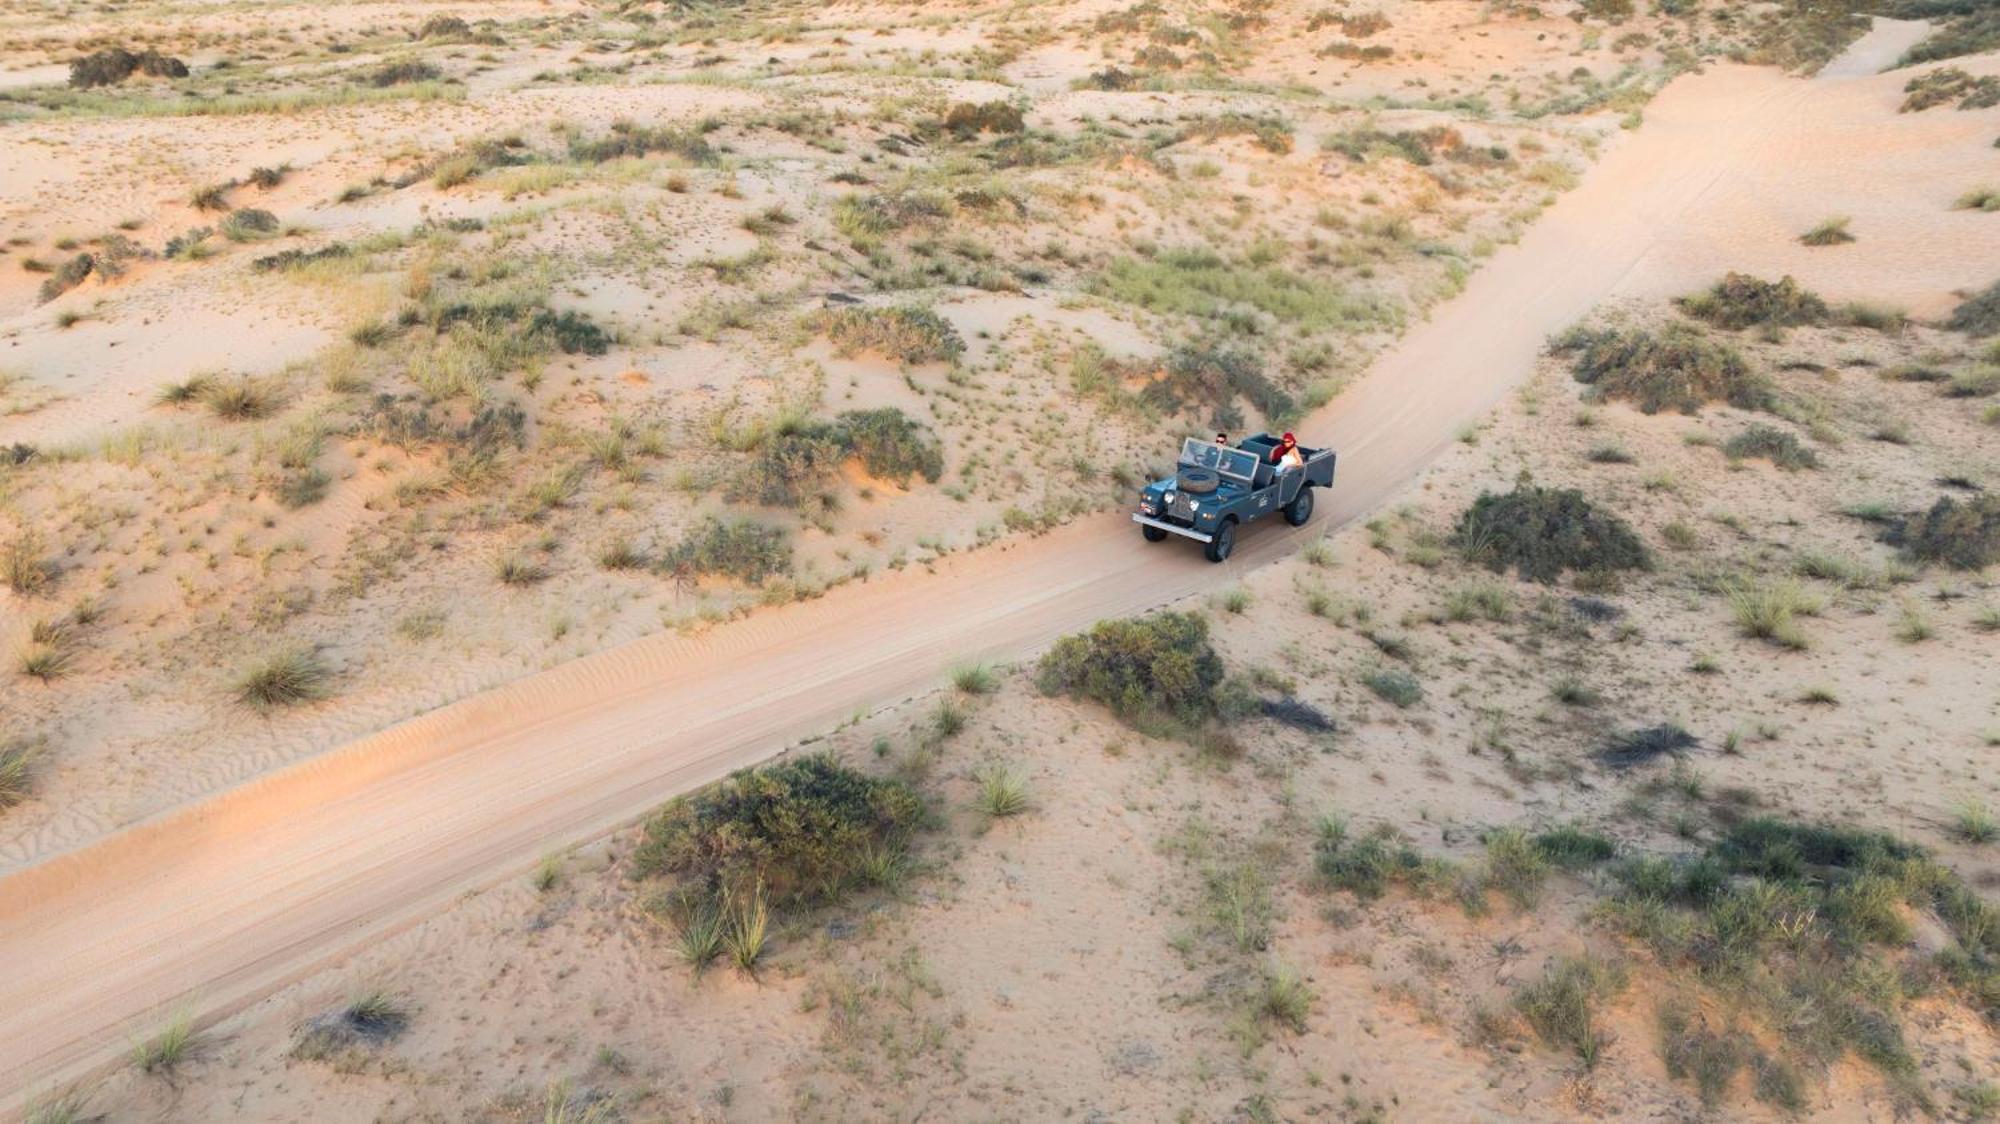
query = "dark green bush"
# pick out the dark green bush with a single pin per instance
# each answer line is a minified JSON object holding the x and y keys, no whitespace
{"x":1961,"y":534}
{"x":293,"y":259}
{"x":113,"y":65}
{"x":1541,"y":532}
{"x":402,"y":73}
{"x":1573,"y":848}
{"x":737,"y":549}
{"x":1677,"y":369}
{"x":1742,"y":301}
{"x":1636,"y":747}
{"x":1948,"y":84}
{"x":67,"y":276}
{"x":790,"y":467}
{"x":802,"y":829}
{"x":1156,"y":671}
{"x":967,"y":118}
{"x":1364,"y":867}
{"x":1978,"y":314}
{"x":890,"y":445}
{"x":1772,"y":444}
{"x":573,"y":332}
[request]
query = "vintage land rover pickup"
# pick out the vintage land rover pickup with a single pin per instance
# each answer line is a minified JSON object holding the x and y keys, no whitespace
{"x":1217,"y":488}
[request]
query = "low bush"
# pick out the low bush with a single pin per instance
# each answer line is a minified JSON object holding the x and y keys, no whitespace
{"x":788,"y":467}
{"x":1979,"y":314}
{"x":1830,"y":232}
{"x":803,"y":830}
{"x":1638,"y":747}
{"x":863,"y":218}
{"x":403,"y":72}
{"x":17,"y":760}
{"x":295,"y":259}
{"x":113,"y":65}
{"x":1215,"y":376}
{"x":1541,"y":532}
{"x":287,"y":677}
{"x":249,"y":224}
{"x":629,"y":140}
{"x":907,"y":334}
{"x":1770,"y":610}
{"x":969,"y":118}
{"x":67,"y":276}
{"x":370,"y":1019}
{"x":740,"y":549}
{"x":1395,"y":686}
{"x":573,"y":333}
{"x":1982,"y":198}
{"x":1272,"y":133}
{"x":25,"y":564}
{"x":1949,"y":84}
{"x":1157,"y":671}
{"x":1770,"y":443}
{"x":890,"y":445}
{"x":1245,"y":297}
{"x":1676,"y":369}
{"x":1562,"y":1006}
{"x":1742,"y":301}
{"x":1964,"y":534}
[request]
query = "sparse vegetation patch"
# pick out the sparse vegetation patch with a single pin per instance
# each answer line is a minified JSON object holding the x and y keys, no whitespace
{"x":1541,"y":532}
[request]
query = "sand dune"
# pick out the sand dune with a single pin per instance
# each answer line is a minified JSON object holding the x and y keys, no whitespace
{"x":218,"y":903}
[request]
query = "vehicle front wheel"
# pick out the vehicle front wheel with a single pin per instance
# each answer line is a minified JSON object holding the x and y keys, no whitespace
{"x":1153,"y":534}
{"x":1301,"y":507}
{"x":1224,"y":541}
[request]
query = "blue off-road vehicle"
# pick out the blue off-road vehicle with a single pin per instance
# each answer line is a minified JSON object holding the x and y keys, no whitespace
{"x":1217,"y":488}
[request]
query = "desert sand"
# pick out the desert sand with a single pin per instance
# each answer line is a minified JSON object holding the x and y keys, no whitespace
{"x":261,"y":884}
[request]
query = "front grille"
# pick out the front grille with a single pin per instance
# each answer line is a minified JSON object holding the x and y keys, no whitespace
{"x":1182,"y":507}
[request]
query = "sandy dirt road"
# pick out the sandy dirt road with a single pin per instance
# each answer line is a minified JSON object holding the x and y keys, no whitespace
{"x":217,"y":903}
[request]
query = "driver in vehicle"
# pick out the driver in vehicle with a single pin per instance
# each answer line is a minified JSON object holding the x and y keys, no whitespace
{"x":1285,"y":454}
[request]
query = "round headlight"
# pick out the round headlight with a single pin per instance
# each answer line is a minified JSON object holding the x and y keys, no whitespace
{"x":1194,"y":505}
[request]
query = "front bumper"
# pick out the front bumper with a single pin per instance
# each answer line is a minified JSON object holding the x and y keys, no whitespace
{"x":1173,"y":528}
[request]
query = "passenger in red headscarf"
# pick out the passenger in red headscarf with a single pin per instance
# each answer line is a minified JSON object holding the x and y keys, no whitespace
{"x":1286,"y":453}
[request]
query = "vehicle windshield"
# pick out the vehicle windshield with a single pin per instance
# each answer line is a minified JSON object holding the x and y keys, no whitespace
{"x":1239,"y":465}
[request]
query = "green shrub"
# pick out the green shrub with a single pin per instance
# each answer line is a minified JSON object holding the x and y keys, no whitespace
{"x":1363,"y":867}
{"x":286,"y":677}
{"x":249,"y":224}
{"x":1961,"y":534}
{"x":573,"y":332}
{"x":1676,"y":369}
{"x":1573,"y":848}
{"x":113,"y":65}
{"x":17,"y":760}
{"x":1948,"y":84}
{"x":1241,"y":297}
{"x":890,"y":445}
{"x":1273,"y":134}
{"x":864,"y":218}
{"x":905,"y":334}
{"x":403,"y":72}
{"x":629,"y":140}
{"x":1830,"y":232}
{"x":1158,"y":670}
{"x":25,"y":564}
{"x":1395,"y":686}
{"x":1773,"y":444}
{"x":1978,"y":314}
{"x":1541,"y":532}
{"x":1206,"y":374}
{"x":968,"y":118}
{"x":67,"y":276}
{"x":788,"y":468}
{"x":801,"y":830}
{"x":739,"y":549}
{"x":1562,"y":1005}
{"x":1742,"y":301}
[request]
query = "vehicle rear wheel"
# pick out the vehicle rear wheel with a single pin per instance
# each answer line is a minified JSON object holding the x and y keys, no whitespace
{"x":1224,"y":541}
{"x":1153,"y":534}
{"x":1301,"y":507}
